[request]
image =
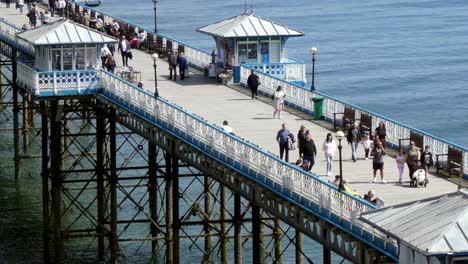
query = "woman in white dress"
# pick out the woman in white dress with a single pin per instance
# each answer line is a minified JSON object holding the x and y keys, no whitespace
{"x":278,"y":98}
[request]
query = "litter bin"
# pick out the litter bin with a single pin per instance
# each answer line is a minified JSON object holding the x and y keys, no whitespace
{"x":237,"y":74}
{"x":318,"y":107}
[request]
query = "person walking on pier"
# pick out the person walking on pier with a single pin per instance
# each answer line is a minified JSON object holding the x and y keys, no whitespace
{"x":110,"y":63}
{"x":103,"y":54}
{"x":33,"y":16}
{"x":278,"y":98}
{"x":7,"y":3}
{"x":378,"y":152}
{"x":282,"y":137}
{"x":309,"y":151}
{"x":173,"y":65}
{"x":381,"y":132}
{"x":301,"y":138}
{"x":329,"y":149}
{"x":52,"y":7}
{"x":20,"y":4}
{"x":353,"y":138}
{"x":124,"y":48}
{"x":182,"y":61}
{"x":367,"y":144}
{"x":413,"y":158}
{"x":60,"y":5}
{"x":426,"y":159}
{"x":253,"y":82}
{"x":400,"y":160}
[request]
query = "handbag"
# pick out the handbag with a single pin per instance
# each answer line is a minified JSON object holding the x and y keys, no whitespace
{"x":130,"y":54}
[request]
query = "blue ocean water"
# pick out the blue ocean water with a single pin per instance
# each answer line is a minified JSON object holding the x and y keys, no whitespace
{"x":405,"y":59}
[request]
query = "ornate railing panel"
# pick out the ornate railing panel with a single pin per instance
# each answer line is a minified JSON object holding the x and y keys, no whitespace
{"x":301,"y":98}
{"x":58,"y":83}
{"x":290,"y":71}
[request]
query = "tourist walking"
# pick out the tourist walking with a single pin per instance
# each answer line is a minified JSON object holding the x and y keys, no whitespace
{"x":378,"y":152}
{"x":182,"y":62}
{"x":367,"y":144}
{"x":110,"y":63}
{"x":7,"y":3}
{"x":103,"y":54}
{"x":301,"y":138}
{"x":282,"y":138}
{"x":124,"y":48}
{"x":353,"y":138}
{"x":20,"y":5}
{"x":309,"y":151}
{"x":60,"y":5}
{"x":426,"y":159}
{"x":381,"y":132}
{"x":52,"y":7}
{"x":86,"y":18}
{"x":413,"y":158}
{"x":253,"y":82}
{"x":29,"y":5}
{"x":173,"y":65}
{"x":329,"y":149}
{"x":33,"y":16}
{"x":400,"y":160}
{"x":278,"y":103}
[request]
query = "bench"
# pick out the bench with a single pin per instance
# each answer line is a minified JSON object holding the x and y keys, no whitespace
{"x":417,"y":138}
{"x":365,"y":123}
{"x":349,"y":116}
{"x":454,"y":161}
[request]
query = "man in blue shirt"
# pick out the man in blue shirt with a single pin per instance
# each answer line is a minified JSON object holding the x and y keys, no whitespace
{"x":282,"y":138}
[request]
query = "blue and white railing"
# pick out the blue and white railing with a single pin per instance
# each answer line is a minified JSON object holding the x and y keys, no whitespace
{"x":196,"y":57}
{"x":301,"y":98}
{"x":8,"y":34}
{"x":293,"y":71}
{"x":307,"y":191}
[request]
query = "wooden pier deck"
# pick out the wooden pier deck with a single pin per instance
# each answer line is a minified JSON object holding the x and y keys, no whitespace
{"x":252,"y":120}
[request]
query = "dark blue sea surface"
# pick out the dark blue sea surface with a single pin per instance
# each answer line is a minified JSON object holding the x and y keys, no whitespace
{"x":407,"y":60}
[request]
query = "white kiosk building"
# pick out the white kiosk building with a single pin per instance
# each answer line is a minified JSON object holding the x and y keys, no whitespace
{"x":65,"y":45}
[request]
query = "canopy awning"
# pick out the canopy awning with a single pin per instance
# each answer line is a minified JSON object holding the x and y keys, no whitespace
{"x":433,"y":226}
{"x":63,"y":32}
{"x":248,"y":25}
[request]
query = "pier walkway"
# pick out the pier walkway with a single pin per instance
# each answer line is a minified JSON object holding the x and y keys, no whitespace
{"x":252,"y":121}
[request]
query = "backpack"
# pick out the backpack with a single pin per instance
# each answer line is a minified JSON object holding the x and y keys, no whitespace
{"x":291,"y":145}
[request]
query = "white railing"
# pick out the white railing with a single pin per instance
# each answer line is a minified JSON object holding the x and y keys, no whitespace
{"x":8,"y":33}
{"x":302,"y":98}
{"x":290,"y":71}
{"x":257,"y":160}
{"x":53,"y":83}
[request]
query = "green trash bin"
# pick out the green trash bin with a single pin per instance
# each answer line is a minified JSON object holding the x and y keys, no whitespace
{"x":318,"y":107}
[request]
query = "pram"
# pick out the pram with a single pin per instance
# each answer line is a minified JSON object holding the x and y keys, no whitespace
{"x":419,"y":177}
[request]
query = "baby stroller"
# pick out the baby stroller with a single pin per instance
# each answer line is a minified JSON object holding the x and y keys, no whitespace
{"x":419,"y":177}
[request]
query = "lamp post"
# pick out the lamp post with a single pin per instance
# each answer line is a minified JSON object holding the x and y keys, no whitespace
{"x":313,"y":50}
{"x":155,"y":16}
{"x":155,"y":57}
{"x":339,"y":135}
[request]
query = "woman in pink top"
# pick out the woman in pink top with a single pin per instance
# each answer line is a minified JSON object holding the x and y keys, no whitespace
{"x":400,"y":160}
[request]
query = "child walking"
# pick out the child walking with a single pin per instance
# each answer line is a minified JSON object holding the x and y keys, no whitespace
{"x":400,"y":160}
{"x":366,"y":143}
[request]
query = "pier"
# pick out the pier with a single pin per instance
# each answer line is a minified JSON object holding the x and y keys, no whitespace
{"x":232,"y":188}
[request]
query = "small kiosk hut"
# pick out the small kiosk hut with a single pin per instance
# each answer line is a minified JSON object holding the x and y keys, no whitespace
{"x":249,"y":39}
{"x":65,"y":45}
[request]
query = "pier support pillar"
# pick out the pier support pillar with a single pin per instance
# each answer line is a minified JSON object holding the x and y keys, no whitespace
{"x":223,"y":236}
{"x":326,"y":250}
{"x":175,"y":203}
{"x":207,"y":216}
{"x":26,"y":124}
{"x":45,"y":182}
{"x":56,"y":150}
{"x":100,"y":171}
{"x":113,"y":187}
{"x":277,"y":234}
{"x":237,"y":229}
{"x":257,"y":255}
{"x":299,"y":241}
{"x":172,"y":206}
{"x":16,"y":129}
{"x":153,"y":196}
